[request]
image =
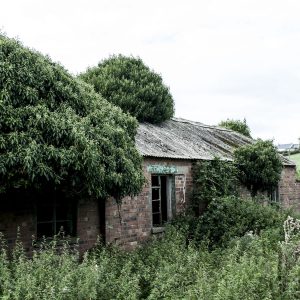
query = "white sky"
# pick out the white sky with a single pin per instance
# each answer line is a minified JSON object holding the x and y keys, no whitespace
{"x":221,"y":59}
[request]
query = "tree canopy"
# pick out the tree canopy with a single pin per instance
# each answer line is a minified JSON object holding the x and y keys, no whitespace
{"x":237,"y":125}
{"x":54,"y":129}
{"x":259,"y":166}
{"x":128,"y":83}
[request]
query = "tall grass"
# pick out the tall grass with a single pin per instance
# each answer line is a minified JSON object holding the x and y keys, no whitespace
{"x":172,"y":267}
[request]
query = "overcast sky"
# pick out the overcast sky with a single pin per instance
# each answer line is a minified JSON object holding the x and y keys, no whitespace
{"x":221,"y":59}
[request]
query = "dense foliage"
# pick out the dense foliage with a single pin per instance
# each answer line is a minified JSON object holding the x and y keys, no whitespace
{"x":261,"y":264}
{"x":56,"y":130}
{"x":259,"y":166}
{"x":230,"y":217}
{"x":237,"y":125}
{"x":212,"y":179}
{"x":128,"y":83}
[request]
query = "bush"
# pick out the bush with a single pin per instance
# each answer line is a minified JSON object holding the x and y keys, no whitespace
{"x":212,"y":179}
{"x":237,"y":126}
{"x":231,"y":217}
{"x":259,"y":166}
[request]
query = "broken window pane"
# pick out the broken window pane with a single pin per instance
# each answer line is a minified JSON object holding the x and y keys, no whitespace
{"x":155,"y":180}
{"x":155,"y":194}
{"x":156,"y":207}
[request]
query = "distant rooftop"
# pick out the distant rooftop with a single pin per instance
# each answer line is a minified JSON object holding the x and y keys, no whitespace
{"x":182,"y":139}
{"x":287,"y":147}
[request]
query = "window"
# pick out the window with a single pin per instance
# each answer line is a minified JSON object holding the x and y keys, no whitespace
{"x":274,"y":195}
{"x":56,"y":217}
{"x":161,"y":186}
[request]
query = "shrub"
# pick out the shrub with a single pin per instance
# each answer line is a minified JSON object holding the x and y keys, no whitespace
{"x":213,"y":179}
{"x":237,"y":125}
{"x":230,"y":217}
{"x":259,"y":166}
{"x":227,"y":218}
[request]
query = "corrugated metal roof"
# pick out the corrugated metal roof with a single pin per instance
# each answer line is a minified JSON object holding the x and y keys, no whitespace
{"x":183,"y":139}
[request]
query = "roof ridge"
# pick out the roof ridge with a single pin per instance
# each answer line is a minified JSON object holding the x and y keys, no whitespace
{"x":181,"y":120}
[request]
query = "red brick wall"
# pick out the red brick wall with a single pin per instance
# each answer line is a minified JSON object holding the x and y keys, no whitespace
{"x":289,"y":189}
{"x":88,"y":223}
{"x":134,"y":224}
{"x":133,"y":227}
{"x":20,"y":213}
{"x":14,"y":214}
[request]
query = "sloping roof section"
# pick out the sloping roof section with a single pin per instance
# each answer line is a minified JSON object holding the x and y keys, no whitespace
{"x":183,"y":139}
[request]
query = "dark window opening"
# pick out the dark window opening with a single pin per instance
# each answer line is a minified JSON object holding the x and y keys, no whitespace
{"x":274,"y":195}
{"x":56,"y":216}
{"x":160,"y":199}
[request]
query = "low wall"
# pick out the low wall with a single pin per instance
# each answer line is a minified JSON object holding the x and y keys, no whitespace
{"x":131,"y":223}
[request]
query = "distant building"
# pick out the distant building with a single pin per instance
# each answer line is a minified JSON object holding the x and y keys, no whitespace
{"x":287,"y":147}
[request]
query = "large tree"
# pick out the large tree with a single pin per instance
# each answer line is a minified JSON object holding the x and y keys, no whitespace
{"x":259,"y":166}
{"x":128,"y":83}
{"x":55,"y":130}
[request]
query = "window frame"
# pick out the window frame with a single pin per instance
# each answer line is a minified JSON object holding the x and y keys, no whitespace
{"x":274,"y":195}
{"x":169,"y":198}
{"x":52,"y":202}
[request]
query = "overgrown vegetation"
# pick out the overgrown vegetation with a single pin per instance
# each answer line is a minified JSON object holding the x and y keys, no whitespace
{"x":258,"y":261}
{"x":212,"y":179}
{"x":55,"y":130}
{"x":128,"y":83}
{"x":237,"y":125}
{"x":226,"y":218}
{"x":259,"y":166}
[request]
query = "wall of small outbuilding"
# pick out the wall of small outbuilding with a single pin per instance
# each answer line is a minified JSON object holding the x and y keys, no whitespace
{"x":289,"y":188}
{"x":126,"y":225}
{"x":131,"y":223}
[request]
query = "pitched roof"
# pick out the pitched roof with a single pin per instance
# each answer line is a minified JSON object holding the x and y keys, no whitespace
{"x":183,"y":139}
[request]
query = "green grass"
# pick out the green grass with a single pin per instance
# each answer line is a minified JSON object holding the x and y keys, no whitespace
{"x":296,"y":159}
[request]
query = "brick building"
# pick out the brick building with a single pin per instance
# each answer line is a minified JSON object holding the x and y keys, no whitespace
{"x":169,"y":150}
